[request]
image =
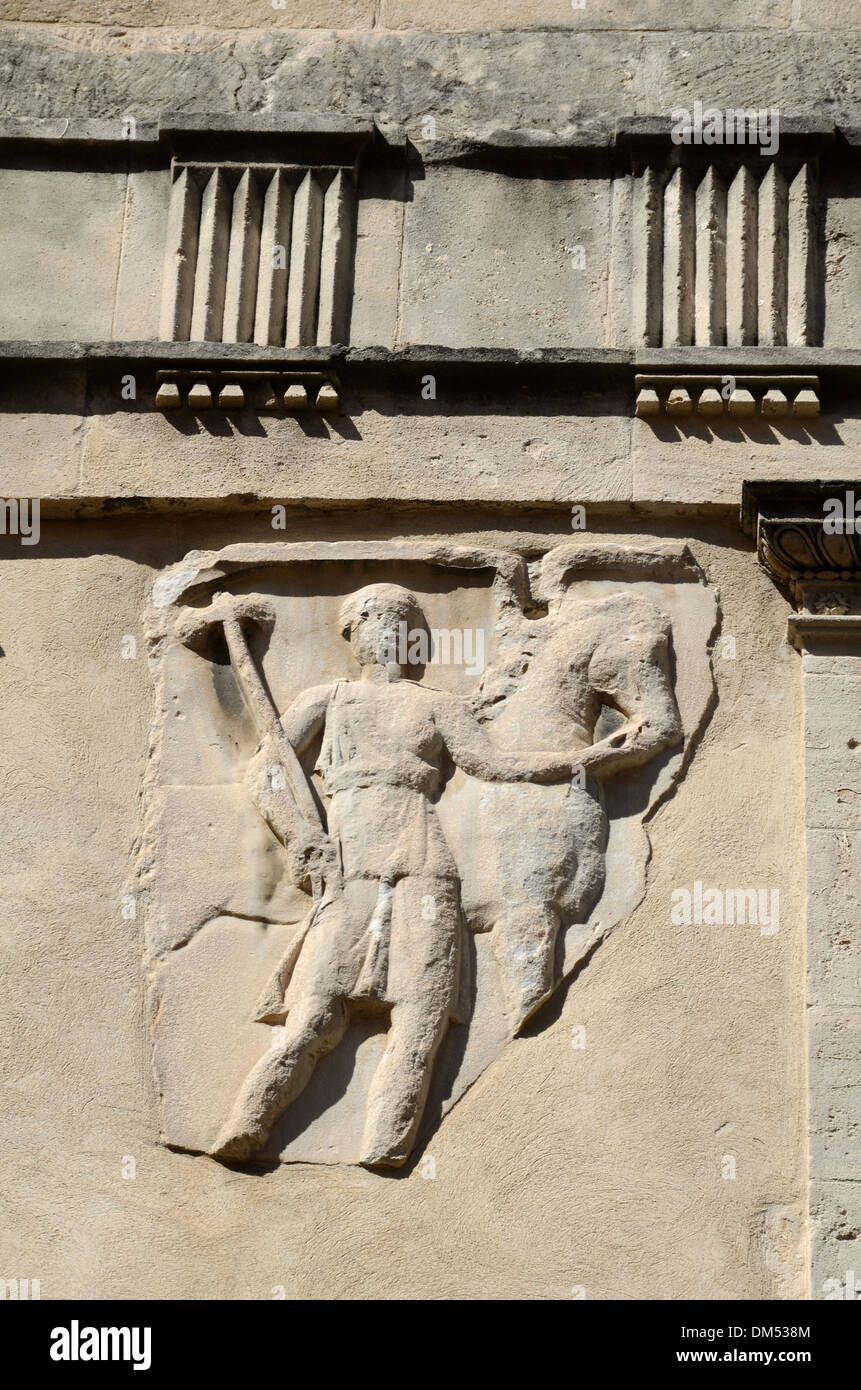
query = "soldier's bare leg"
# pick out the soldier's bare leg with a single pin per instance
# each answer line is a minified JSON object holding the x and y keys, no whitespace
{"x":398,"y":1092}
{"x":312,"y":1029}
{"x":424,"y":969}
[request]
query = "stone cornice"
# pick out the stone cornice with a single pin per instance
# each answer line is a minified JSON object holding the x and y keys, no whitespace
{"x":172,"y":128}
{"x":646,"y":137}
{"x":839,"y":629}
{"x":786,"y":520}
{"x":815,"y":560}
{"x":840,"y":364}
{"x":539,"y":370}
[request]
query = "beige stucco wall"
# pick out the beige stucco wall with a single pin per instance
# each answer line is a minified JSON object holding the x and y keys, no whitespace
{"x":598,"y":1168}
{"x":562,"y":1169}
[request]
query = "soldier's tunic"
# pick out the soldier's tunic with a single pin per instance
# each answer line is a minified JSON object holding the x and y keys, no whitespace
{"x":392,"y":932}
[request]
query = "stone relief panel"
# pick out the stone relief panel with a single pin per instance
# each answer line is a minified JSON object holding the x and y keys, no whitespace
{"x":397,"y":792}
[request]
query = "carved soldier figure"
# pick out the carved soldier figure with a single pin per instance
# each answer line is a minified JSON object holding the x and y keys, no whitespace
{"x":388,"y":927}
{"x":387,"y":930}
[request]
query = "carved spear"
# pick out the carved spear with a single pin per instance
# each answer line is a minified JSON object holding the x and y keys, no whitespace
{"x":232,"y":612}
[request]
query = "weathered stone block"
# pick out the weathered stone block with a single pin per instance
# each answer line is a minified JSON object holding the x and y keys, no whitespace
{"x":501,"y":453}
{"x":835,"y":1110}
{"x":41,"y":454}
{"x":60,"y":238}
{"x":504,"y":261}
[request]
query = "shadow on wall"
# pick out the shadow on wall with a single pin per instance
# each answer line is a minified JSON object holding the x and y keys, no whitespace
{"x":756,"y":432}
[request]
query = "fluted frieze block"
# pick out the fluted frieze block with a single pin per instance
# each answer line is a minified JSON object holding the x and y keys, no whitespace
{"x":726,"y":256}
{"x":259,"y":253}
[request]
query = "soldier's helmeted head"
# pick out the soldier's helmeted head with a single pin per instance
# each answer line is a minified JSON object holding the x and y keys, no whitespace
{"x":380,"y":622}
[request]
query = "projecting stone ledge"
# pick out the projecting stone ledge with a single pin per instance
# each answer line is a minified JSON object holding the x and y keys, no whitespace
{"x":805,"y":535}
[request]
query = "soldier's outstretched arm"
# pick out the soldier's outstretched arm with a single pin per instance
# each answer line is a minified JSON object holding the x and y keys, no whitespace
{"x":475,"y":752}
{"x":631,"y":672}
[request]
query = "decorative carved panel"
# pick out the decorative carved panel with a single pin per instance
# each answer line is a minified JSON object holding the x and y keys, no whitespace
{"x":396,"y":795}
{"x":259,"y":253}
{"x":727,"y":256}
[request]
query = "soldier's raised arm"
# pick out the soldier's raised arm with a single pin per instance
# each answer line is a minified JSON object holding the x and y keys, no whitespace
{"x":304,"y":718}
